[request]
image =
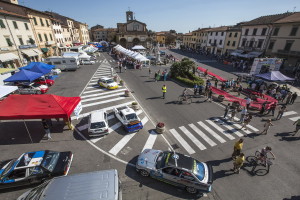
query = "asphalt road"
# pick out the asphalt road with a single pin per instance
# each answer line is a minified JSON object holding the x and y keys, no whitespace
{"x":195,"y":124}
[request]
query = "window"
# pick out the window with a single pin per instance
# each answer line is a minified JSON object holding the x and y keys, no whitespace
{"x":294,"y":31}
{"x":271,"y":45}
{"x":243,"y":43}
{"x":2,"y":24}
{"x":276,"y":30}
{"x":50,"y":36}
{"x":230,"y":34}
{"x":263,"y":32}
{"x":233,"y":43}
{"x":42,"y":23}
{"x":222,"y":33}
{"x":221,"y":41}
{"x":210,"y":33}
{"x":40,"y":37}
{"x":15,"y":24}
{"x":246,"y":31}
{"x":215,"y":42}
{"x":21,"y":41}
{"x":26,"y":26}
{"x":254,"y":31}
{"x":9,"y":43}
{"x":216,"y":33}
{"x":209,"y":41}
{"x":235,"y":35}
{"x":35,"y":22}
{"x":251,"y":43}
{"x":288,"y":45}
{"x":260,"y":43}
{"x":46,"y":38}
{"x":47,"y":23}
{"x":228,"y":43}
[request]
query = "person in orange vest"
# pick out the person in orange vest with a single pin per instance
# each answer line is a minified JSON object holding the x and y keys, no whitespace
{"x":164,"y":90}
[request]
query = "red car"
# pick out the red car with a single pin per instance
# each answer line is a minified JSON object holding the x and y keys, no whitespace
{"x":48,"y":82}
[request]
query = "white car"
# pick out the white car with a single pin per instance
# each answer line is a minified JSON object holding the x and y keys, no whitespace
{"x":32,"y":88}
{"x":128,"y":118}
{"x":108,"y":83}
{"x":87,"y":62}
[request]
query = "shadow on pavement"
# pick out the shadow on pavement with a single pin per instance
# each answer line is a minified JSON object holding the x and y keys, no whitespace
{"x":156,"y":184}
{"x":151,"y":98}
{"x":292,"y":198}
{"x":287,"y":136}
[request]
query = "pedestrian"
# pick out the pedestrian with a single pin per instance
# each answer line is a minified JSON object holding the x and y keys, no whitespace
{"x":282,"y":109}
{"x":233,"y":112}
{"x":195,"y":89}
{"x":125,"y":68}
{"x":165,"y":76}
{"x":272,"y":108}
{"x":243,"y":114}
{"x":248,"y":102}
{"x":149,"y":72}
{"x":238,"y":163}
{"x":288,"y":98}
{"x":209,"y":95}
{"x":297,"y":126}
{"x":237,"y":148}
{"x":267,"y":126}
{"x":46,"y":128}
{"x":111,"y":72}
{"x":216,"y":82}
{"x":155,"y":75}
{"x":164,"y":90}
{"x":263,"y":108}
{"x":226,"y":110}
{"x":294,"y":97}
{"x":247,"y":120}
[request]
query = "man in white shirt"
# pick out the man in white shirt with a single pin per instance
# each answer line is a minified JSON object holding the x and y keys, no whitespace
{"x":243,"y":114}
{"x":248,"y":102}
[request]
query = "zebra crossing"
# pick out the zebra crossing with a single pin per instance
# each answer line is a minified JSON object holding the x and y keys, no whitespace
{"x":209,"y":133}
{"x":289,"y":113}
{"x":105,"y":61}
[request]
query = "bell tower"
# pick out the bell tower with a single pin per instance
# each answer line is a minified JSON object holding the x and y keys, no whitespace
{"x":129,"y":16}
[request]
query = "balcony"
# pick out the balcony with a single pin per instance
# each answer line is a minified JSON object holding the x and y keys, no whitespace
{"x":291,"y":53}
{"x":49,"y":43}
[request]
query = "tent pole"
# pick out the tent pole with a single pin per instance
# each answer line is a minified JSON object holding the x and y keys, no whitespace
{"x":27,"y":131}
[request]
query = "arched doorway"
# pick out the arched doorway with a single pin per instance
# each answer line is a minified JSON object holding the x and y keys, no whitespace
{"x":123,"y":42}
{"x":135,"y":41}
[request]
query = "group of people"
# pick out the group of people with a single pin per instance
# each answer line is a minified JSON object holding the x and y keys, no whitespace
{"x":159,"y":74}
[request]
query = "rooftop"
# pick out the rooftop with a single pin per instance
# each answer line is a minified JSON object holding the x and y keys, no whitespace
{"x":268,"y":19}
{"x":295,"y":17}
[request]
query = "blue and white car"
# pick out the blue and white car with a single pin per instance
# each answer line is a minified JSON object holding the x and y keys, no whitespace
{"x":176,"y":169}
{"x":34,"y":167}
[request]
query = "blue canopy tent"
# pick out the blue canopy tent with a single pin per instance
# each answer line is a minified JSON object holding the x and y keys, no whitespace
{"x":40,"y":64}
{"x":40,"y":69}
{"x":23,"y":76}
{"x":274,"y":76}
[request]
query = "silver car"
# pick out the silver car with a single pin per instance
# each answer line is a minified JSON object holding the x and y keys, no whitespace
{"x":176,"y":169}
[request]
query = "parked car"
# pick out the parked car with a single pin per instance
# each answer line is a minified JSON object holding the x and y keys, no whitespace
{"x":87,"y":62}
{"x":98,"y":185}
{"x":34,"y":167}
{"x":48,"y":82}
{"x":162,"y":53}
{"x":129,"y":119}
{"x":98,"y":124}
{"x":108,"y":83}
{"x":176,"y":169}
{"x":32,"y":88}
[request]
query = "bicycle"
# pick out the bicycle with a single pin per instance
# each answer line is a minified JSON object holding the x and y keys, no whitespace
{"x":262,"y":160}
{"x":187,"y":99}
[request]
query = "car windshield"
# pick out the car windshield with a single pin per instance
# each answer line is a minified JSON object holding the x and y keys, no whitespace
{"x":50,"y":160}
{"x":109,"y":81}
{"x":131,"y":117}
{"x":97,"y":125}
{"x":8,"y":168}
{"x":199,"y":170}
{"x":36,"y":193}
{"x":161,"y":159}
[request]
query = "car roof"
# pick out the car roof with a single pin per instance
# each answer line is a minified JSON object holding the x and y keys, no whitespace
{"x":35,"y":158}
{"x":105,"y":78}
{"x":183,"y":161}
{"x":97,"y":116}
{"x":127,"y":111}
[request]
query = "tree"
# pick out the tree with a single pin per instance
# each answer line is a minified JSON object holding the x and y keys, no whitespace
{"x":182,"y":68}
{"x":169,"y":38}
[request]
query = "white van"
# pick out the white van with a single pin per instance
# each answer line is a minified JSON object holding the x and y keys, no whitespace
{"x":98,"y":124}
{"x":63,"y":63}
{"x":98,"y":185}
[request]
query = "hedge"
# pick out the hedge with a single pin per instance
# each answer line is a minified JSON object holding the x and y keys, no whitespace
{"x":197,"y":80}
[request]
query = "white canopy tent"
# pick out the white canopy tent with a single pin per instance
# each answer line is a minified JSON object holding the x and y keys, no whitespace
{"x":132,"y":54}
{"x":5,"y":90}
{"x":138,"y":47}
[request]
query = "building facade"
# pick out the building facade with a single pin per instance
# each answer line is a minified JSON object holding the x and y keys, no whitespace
{"x":216,"y":39}
{"x":84,"y":36}
{"x":232,"y":39}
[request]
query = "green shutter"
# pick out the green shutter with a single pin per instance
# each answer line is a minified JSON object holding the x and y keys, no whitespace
{"x":2,"y":24}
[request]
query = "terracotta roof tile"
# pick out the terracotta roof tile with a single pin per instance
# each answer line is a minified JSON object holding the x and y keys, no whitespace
{"x":12,"y":13}
{"x":292,"y":18}
{"x":268,"y":19}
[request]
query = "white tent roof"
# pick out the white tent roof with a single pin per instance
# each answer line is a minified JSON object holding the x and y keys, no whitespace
{"x":138,"y":47}
{"x":5,"y":90}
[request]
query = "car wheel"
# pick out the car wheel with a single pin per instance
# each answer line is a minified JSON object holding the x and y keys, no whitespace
{"x":191,"y":190}
{"x":144,"y":173}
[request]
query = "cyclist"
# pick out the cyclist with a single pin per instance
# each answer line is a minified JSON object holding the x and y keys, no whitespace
{"x":264,"y":155}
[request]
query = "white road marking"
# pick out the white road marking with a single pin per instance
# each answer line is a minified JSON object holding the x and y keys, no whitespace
{"x":138,"y":112}
{"x":104,"y":109}
{"x":102,"y":102}
{"x":114,"y":127}
{"x":102,"y":93}
{"x":95,"y":90}
{"x":220,"y":129}
{"x":144,"y":120}
{"x":185,"y":145}
{"x":83,"y":127}
{"x":150,"y":141}
{"x":294,"y":118}
{"x":233,"y":130}
{"x":104,"y":96}
{"x":249,"y":126}
{"x":121,"y":144}
{"x":201,"y":134}
{"x":92,"y":87}
{"x":289,"y":113}
{"x":192,"y":137}
{"x":213,"y":133}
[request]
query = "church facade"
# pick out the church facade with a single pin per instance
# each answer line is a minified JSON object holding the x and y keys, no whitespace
{"x":133,"y":33}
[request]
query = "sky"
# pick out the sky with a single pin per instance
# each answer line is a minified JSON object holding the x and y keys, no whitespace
{"x":163,"y":15}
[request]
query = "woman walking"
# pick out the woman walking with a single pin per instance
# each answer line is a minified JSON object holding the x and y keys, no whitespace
{"x":267,"y":126}
{"x":247,"y":120}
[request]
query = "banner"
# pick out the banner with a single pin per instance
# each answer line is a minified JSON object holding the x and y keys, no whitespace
{"x":78,"y":110}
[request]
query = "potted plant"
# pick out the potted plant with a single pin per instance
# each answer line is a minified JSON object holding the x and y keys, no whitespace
{"x":221,"y":98}
{"x":160,"y":127}
{"x":135,"y":105}
{"x":121,"y":82}
{"x":127,"y":93}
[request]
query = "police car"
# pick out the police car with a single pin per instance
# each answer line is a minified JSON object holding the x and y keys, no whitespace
{"x":34,"y":167}
{"x":176,"y":169}
{"x":128,"y":118}
{"x":108,"y":83}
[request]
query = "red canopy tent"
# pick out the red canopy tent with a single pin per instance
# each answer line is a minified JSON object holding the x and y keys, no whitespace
{"x":44,"y":106}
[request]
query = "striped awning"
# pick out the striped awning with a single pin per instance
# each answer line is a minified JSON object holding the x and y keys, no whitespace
{"x":30,"y":52}
{"x":4,"y":57}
